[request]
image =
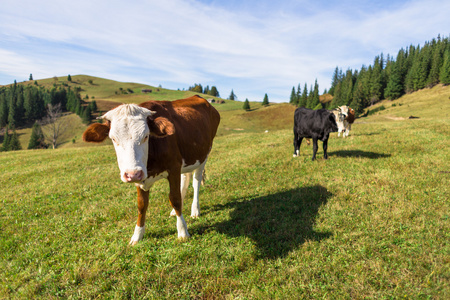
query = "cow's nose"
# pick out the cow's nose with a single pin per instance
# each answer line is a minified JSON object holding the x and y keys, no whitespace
{"x":133,"y":175}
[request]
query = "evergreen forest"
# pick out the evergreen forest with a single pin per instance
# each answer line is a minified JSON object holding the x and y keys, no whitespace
{"x":413,"y":69}
{"x":25,"y":105}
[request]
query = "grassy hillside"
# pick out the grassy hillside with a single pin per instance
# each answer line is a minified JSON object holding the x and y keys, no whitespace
{"x":372,"y":221}
{"x":105,"y":90}
{"x":426,"y":104}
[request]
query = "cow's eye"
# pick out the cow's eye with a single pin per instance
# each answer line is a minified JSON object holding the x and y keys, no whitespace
{"x":145,"y":139}
{"x":115,"y":141}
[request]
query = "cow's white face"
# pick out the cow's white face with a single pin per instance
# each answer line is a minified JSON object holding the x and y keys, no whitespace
{"x":129,"y":132}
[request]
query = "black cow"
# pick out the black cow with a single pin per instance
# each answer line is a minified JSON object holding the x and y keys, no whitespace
{"x":315,"y":124}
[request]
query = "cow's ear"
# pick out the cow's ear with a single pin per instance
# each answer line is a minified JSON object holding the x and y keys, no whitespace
{"x":96,"y":133}
{"x":160,"y":127}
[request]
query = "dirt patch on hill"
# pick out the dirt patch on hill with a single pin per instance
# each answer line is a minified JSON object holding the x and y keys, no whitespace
{"x":395,"y":118}
{"x":105,"y":105}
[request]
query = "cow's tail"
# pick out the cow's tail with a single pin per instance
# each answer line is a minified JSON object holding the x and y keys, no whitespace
{"x":203,"y":177}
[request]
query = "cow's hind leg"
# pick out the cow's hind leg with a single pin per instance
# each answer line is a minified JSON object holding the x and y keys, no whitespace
{"x":139,"y":230}
{"x":196,"y":182}
{"x":347,"y":131}
{"x":185,"y":178}
{"x":315,"y":147}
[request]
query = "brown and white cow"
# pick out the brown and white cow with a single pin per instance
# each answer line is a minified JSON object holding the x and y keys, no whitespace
{"x":348,"y":121}
{"x":156,"y":140}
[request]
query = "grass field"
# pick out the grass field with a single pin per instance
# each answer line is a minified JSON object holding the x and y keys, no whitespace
{"x":372,"y":221}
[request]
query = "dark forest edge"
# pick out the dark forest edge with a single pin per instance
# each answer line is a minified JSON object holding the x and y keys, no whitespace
{"x":413,"y":69}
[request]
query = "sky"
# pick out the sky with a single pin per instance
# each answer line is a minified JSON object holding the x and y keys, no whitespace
{"x":253,"y":47}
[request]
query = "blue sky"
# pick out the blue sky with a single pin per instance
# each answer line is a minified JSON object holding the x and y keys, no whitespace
{"x":253,"y":47}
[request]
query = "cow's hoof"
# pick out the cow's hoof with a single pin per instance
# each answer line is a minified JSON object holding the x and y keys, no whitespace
{"x":195,"y":213}
{"x":132,"y":243}
{"x":184,"y":237}
{"x":294,"y":155}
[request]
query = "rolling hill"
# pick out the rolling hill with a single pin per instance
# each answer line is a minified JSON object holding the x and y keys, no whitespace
{"x":426,"y":103}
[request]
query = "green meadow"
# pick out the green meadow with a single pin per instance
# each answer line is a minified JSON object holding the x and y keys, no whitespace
{"x":371,"y":222}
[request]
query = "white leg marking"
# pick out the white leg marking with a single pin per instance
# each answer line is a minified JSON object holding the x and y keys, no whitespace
{"x":182,"y":228}
{"x":185,"y":178}
{"x":196,"y":182}
{"x":296,"y":153}
{"x":138,"y":235}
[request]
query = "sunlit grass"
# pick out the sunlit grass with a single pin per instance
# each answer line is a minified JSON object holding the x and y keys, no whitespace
{"x":372,"y":221}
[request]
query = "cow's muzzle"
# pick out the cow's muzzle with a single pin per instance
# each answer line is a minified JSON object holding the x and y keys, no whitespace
{"x":133,"y":176}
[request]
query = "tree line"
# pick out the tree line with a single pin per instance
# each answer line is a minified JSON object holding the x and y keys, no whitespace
{"x":304,"y":98}
{"x":414,"y":68}
{"x":198,"y":88}
{"x":21,"y":105}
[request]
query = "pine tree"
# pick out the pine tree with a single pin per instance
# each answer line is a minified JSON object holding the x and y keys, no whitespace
{"x":246,"y":104}
{"x":69,"y":78}
{"x":293,"y":98}
{"x":31,"y":77}
{"x":14,"y":143}
{"x":214,"y":92}
{"x":299,"y":93}
{"x":20,"y":110}
{"x":444,"y":75}
{"x":6,"y":140}
{"x":436,"y":64}
{"x":337,"y":99}
{"x":394,"y":88}
{"x":337,"y":76}
{"x":347,"y":89}
{"x":315,"y":101}
{"x":86,"y":116}
{"x":265,"y":100}
{"x":424,"y":66}
{"x":12,"y":113}
{"x":37,"y":138}
{"x":93,"y":106}
{"x":33,"y":104}
{"x":358,"y":102}
{"x":376,"y":81}
{"x":232,"y":96}
{"x":304,"y":97}
{"x":3,"y":110}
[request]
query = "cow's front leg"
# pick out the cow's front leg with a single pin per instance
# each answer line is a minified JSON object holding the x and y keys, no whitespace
{"x":177,"y":204}
{"x":139,"y":230}
{"x":325,"y":147}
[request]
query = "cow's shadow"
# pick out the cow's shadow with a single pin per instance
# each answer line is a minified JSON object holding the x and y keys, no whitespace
{"x":358,"y":153}
{"x":277,"y":223}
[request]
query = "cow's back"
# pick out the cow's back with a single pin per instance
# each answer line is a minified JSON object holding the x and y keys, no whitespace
{"x":195,"y":121}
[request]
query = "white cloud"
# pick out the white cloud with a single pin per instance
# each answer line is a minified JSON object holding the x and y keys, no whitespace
{"x":253,"y":47}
